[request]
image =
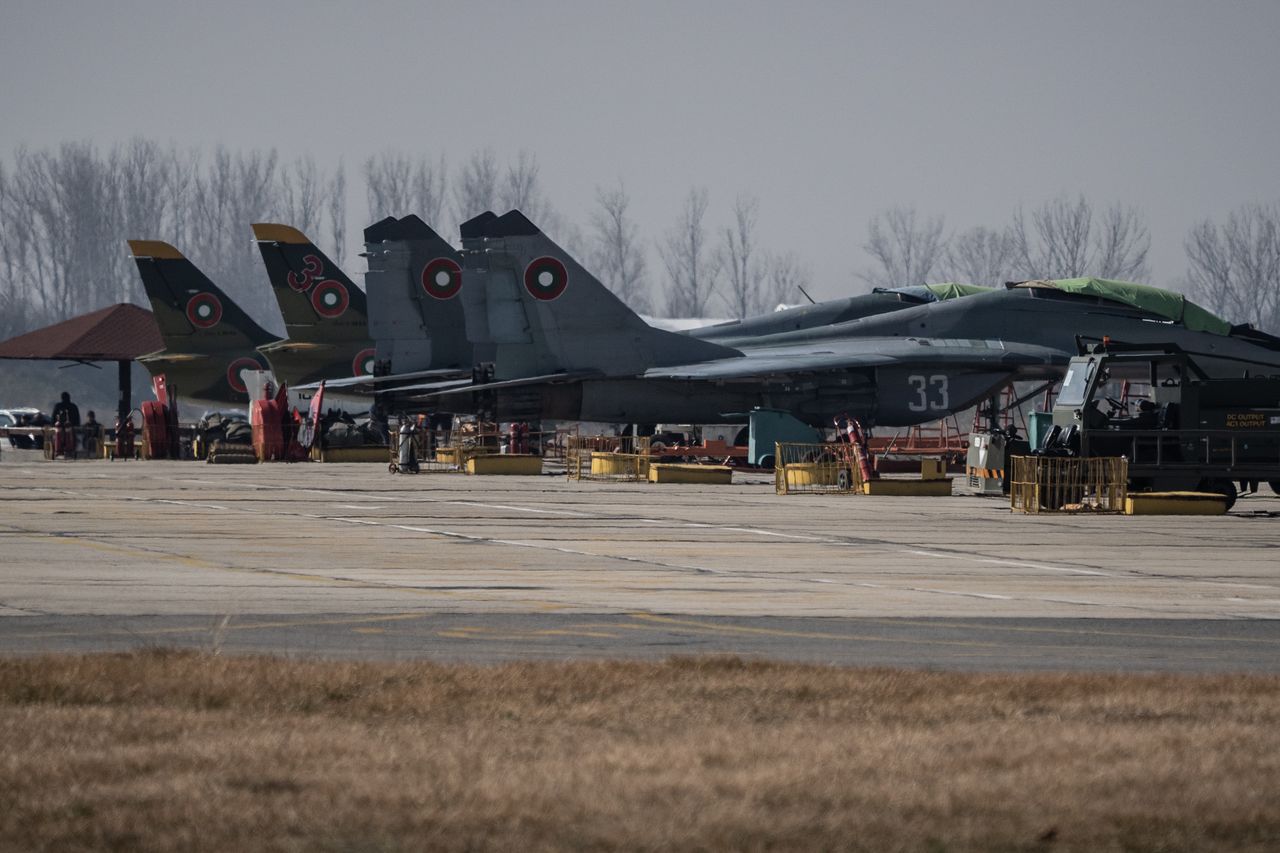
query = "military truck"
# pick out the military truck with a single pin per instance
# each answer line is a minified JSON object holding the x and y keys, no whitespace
{"x":1179,"y":429}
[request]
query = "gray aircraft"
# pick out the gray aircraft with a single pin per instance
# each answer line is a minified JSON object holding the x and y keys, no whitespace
{"x":881,"y":300}
{"x":565,"y":348}
{"x":1059,"y":313}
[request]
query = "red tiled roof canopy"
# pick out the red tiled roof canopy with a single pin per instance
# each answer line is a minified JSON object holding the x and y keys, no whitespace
{"x":116,"y":333}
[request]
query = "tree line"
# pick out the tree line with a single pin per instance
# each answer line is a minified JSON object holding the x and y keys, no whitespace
{"x":66,"y":211}
{"x":1233,"y":267}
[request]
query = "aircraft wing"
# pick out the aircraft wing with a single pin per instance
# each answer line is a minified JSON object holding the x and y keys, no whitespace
{"x":544,"y":379}
{"x":851,"y":354}
{"x":287,"y":345}
{"x":173,"y":357}
{"x":369,"y":384}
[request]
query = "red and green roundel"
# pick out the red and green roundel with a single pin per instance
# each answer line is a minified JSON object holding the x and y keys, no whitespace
{"x":442,"y":278}
{"x":233,"y":373}
{"x":204,"y":310}
{"x":330,"y":299}
{"x":362,"y":364}
{"x":545,"y":278}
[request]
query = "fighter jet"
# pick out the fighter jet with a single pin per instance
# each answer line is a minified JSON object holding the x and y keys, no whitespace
{"x":881,"y":300}
{"x":564,"y":347}
{"x":1060,"y":313}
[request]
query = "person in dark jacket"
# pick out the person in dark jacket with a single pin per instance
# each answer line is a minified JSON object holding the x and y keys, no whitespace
{"x":71,"y":409}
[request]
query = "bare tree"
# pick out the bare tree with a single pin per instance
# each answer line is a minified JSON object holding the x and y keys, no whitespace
{"x":1234,"y":269}
{"x":397,"y":185}
{"x":745,"y":274}
{"x":68,"y":210}
{"x":338,"y":213}
{"x":906,"y":250}
{"x":689,"y":261}
{"x":788,"y":276}
{"x":521,"y":190}
{"x":1062,"y":241}
{"x":617,"y":254}
{"x":302,"y":195}
{"x":1122,"y":245}
{"x":979,"y":256}
{"x":476,"y":189}
{"x":234,"y":190}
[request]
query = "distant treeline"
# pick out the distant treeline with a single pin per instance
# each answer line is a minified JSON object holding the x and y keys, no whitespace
{"x":66,"y":212}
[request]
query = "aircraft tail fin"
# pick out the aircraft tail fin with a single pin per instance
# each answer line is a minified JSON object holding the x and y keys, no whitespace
{"x":193,"y":313}
{"x":318,"y":301}
{"x":414,"y":280}
{"x":543,"y":312}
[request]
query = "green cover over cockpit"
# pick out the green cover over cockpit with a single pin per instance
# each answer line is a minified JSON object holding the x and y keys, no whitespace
{"x":936,"y":292}
{"x":1163,"y":303}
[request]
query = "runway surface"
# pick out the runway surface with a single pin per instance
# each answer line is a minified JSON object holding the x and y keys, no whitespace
{"x":348,"y":561}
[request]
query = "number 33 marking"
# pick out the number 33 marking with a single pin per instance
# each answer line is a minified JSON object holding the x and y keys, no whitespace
{"x":927,"y":387}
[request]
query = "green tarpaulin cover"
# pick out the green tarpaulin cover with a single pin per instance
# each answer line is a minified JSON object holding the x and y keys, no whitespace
{"x":954,"y":290}
{"x":1163,"y":303}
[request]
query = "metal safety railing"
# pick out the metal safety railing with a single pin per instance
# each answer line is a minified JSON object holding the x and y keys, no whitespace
{"x":1068,"y":484}
{"x":1171,"y":450}
{"x":817,"y":468}
{"x":623,"y":458}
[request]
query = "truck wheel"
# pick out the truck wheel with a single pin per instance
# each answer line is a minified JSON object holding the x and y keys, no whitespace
{"x":1275,"y":487}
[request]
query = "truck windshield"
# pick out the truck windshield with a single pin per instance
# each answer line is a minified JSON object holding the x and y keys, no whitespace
{"x":1075,"y":383}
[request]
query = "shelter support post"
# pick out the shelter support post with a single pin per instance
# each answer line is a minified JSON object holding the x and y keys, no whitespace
{"x":125,"y":402}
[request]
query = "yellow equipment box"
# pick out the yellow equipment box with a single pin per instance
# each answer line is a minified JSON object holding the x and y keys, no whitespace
{"x":1175,"y":503}
{"x":504,"y":463}
{"x":909,"y":488}
{"x":713,"y":475}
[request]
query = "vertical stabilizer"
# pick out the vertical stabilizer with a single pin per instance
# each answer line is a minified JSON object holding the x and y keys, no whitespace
{"x":544,"y":312}
{"x":318,"y":301}
{"x":414,"y":282}
{"x":193,"y":313}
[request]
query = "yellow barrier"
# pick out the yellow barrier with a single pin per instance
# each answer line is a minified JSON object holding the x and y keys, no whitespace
{"x":815,"y":468}
{"x":1053,"y":484}
{"x":607,"y":457}
{"x":504,"y":463}
{"x":710,"y":475}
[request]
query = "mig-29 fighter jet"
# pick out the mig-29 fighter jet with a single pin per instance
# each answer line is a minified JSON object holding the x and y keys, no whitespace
{"x":1059,"y":313}
{"x":564,"y":347}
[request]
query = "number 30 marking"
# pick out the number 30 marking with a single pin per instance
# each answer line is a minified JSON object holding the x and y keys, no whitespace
{"x":937,"y":384}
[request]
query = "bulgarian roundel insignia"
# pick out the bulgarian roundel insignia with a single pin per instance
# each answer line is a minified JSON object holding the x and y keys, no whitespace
{"x":330,"y":298}
{"x":442,"y":278}
{"x":233,"y":373}
{"x":362,"y":364}
{"x":204,"y":310}
{"x":545,"y":278}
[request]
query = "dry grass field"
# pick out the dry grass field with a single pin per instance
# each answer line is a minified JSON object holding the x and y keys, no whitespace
{"x":186,"y":751}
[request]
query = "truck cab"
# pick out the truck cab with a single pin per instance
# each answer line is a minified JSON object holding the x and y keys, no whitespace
{"x":1178,"y":428}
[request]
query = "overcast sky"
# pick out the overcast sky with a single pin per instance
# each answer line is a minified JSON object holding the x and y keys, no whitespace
{"x":828,"y":112}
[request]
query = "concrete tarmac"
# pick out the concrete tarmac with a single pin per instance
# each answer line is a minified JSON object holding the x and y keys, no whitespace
{"x":349,"y":561}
